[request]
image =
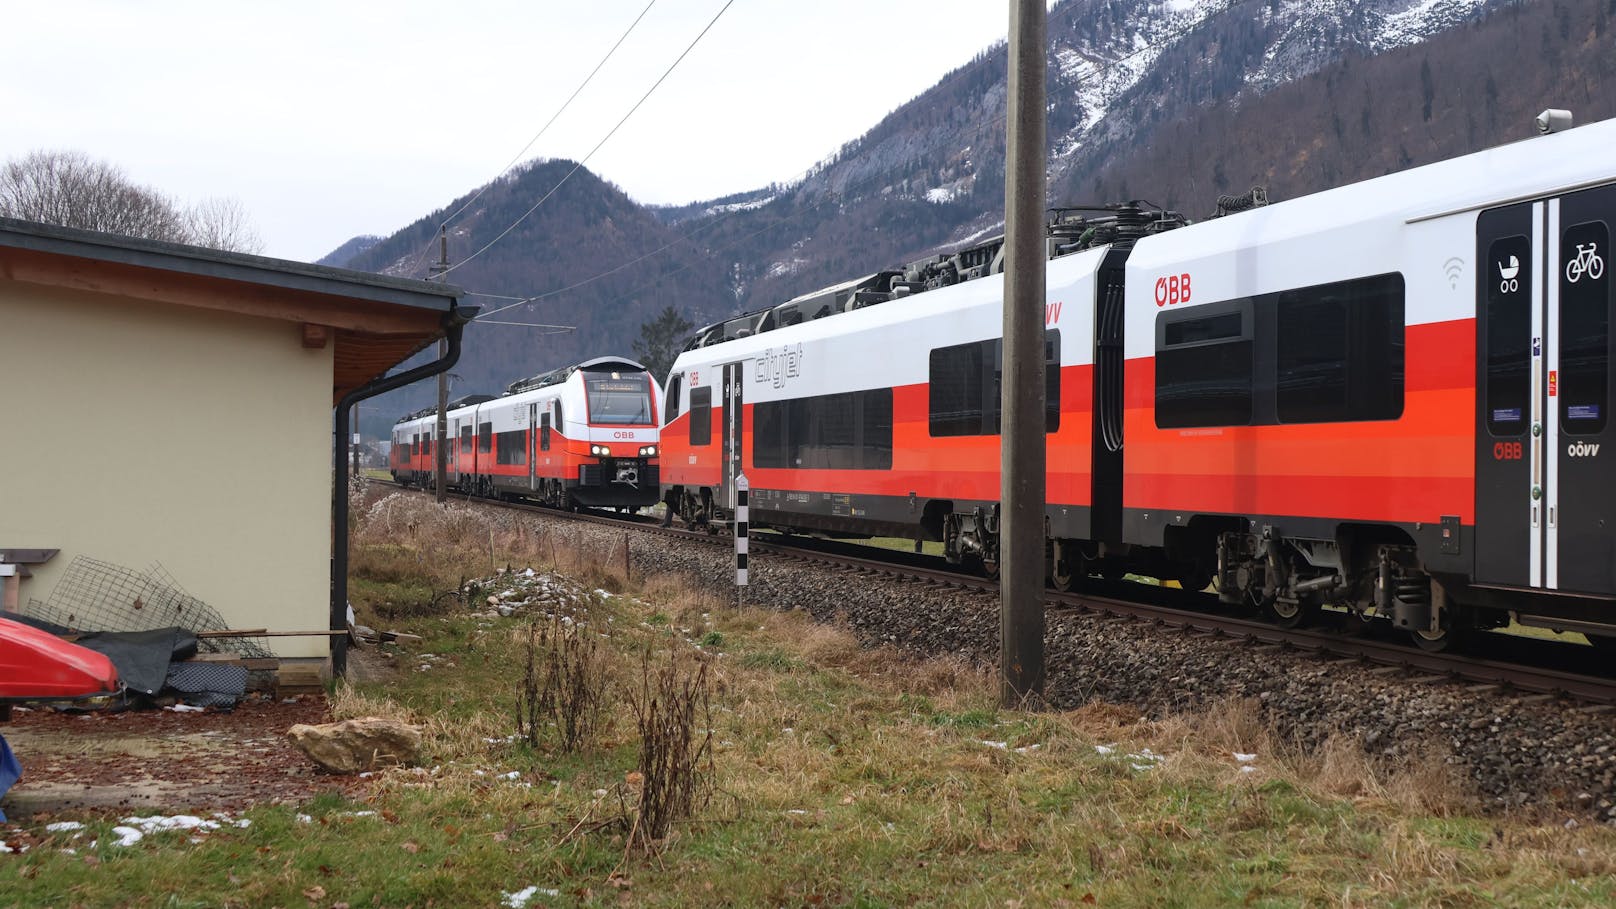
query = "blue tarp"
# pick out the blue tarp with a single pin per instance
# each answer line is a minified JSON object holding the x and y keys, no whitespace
{"x":10,"y":772}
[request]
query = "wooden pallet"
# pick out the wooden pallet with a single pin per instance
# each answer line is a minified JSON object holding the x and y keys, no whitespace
{"x":298,"y":678}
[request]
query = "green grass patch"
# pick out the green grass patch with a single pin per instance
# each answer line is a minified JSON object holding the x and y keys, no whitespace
{"x":842,"y":777}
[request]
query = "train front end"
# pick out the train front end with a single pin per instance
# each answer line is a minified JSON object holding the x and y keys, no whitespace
{"x":617,"y":458}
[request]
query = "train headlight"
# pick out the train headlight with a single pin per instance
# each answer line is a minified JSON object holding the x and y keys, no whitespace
{"x":600,"y":451}
{"x":647,"y":451}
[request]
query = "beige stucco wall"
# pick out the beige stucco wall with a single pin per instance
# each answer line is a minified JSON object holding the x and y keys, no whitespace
{"x":140,"y":433}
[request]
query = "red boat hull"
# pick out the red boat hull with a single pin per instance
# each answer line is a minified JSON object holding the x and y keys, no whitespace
{"x":37,"y":664}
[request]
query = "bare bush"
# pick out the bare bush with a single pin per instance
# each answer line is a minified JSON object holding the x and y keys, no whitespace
{"x":566,"y":682}
{"x":673,"y":709}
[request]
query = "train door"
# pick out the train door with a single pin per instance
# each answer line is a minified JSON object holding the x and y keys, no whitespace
{"x":453,"y":458}
{"x":733,"y":431}
{"x":1544,"y":393}
{"x":533,"y":442}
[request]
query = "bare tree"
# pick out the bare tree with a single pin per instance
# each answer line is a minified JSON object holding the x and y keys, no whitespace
{"x":223,"y":224}
{"x":70,"y":189}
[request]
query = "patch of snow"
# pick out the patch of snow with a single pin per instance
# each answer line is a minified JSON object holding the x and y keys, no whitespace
{"x":184,"y":708}
{"x":127,"y":836}
{"x":740,"y":206}
{"x":521,"y":898}
{"x":1423,"y":19}
{"x":791,"y":267}
{"x":942,"y":195}
{"x":64,"y":826}
{"x":1244,"y":758}
{"x":999,"y":745}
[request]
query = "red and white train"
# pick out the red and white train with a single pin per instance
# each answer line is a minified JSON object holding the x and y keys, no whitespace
{"x":583,"y":436}
{"x":1390,"y":397}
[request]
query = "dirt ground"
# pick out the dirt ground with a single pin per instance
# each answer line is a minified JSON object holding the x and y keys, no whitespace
{"x":77,"y":764}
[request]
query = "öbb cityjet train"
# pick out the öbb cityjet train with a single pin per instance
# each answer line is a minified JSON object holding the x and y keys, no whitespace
{"x":583,"y":436}
{"x":1392,"y":397}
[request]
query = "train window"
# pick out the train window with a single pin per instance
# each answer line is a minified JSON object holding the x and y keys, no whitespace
{"x":964,"y":387}
{"x":1584,"y":329}
{"x":875,"y":429}
{"x":1509,"y":331}
{"x":1204,"y":366}
{"x":510,"y":447}
{"x":544,"y":431}
{"x":485,"y":437}
{"x":625,"y":400}
{"x":701,"y":416}
{"x":958,"y":389}
{"x":465,"y":437}
{"x":670,"y":407}
{"x":415,"y":443}
{"x":848,"y":431}
{"x":1339,"y":351}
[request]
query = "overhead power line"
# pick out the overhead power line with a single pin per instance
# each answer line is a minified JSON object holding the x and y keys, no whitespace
{"x":1100,"y":69}
{"x":603,"y":141}
{"x":421,"y":257}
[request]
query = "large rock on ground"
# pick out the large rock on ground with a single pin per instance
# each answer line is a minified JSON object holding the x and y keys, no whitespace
{"x":354,"y":746}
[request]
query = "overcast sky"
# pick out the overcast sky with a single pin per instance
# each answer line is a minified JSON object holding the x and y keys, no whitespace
{"x":342,"y":117}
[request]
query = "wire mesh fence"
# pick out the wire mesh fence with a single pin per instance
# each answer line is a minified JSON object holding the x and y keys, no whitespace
{"x":99,"y":596}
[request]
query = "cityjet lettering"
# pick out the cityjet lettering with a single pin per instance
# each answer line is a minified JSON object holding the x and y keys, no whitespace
{"x":1583,"y":450}
{"x":776,"y":366}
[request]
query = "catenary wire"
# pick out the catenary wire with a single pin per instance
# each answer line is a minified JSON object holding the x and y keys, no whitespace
{"x":421,"y":256}
{"x":1099,"y":71}
{"x":603,"y":141}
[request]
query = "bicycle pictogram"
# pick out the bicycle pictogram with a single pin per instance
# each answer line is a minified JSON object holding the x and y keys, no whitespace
{"x":1587,"y":263}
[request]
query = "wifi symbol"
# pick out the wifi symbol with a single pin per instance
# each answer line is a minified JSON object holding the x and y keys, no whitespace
{"x":1454,"y":269}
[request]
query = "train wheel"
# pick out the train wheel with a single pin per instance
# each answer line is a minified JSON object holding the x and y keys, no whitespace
{"x":1064,"y":568}
{"x":1294,"y":615}
{"x":1445,"y":639}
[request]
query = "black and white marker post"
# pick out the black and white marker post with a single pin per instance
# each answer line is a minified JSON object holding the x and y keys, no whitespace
{"x":741,"y":488}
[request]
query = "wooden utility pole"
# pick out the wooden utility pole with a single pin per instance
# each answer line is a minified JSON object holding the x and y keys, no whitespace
{"x":441,"y":452}
{"x":1022,"y":456}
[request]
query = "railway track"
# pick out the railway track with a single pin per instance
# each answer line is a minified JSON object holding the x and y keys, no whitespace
{"x":1500,"y":664}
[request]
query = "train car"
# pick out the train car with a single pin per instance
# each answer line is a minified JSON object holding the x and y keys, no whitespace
{"x":582,"y":436}
{"x":1371,"y":398}
{"x":1390,"y":396}
{"x":873,"y":407}
{"x":410,"y":459}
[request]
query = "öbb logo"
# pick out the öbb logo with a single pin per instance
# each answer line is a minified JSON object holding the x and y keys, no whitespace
{"x":622,"y":434}
{"x":1173,"y":289}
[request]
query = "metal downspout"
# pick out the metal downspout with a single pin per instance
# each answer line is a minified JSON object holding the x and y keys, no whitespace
{"x":455,"y":324}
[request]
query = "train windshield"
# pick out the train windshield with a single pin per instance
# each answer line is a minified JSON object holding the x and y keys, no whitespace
{"x":622,"y":398}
